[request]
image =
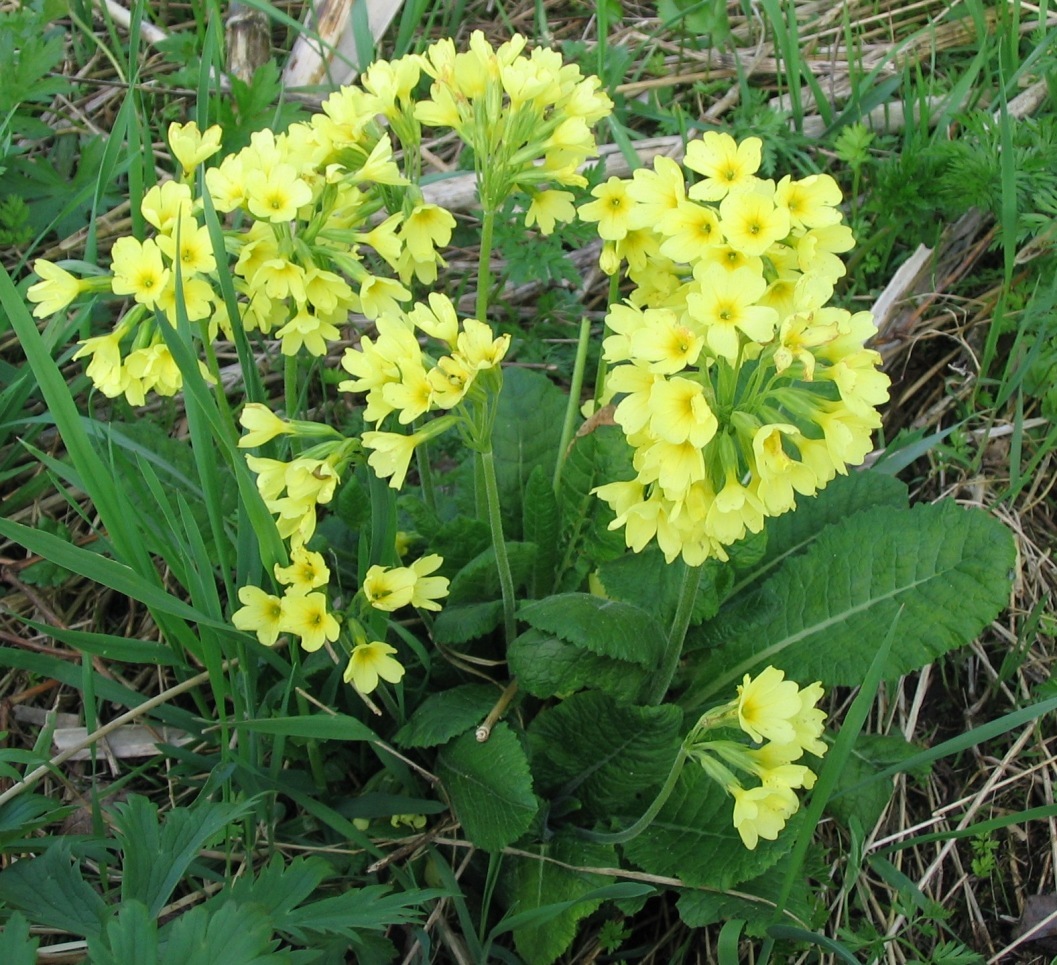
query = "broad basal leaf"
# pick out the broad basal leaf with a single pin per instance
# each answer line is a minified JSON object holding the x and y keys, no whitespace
{"x":941,"y":570}
{"x":547,"y":880}
{"x":794,"y":532}
{"x":609,"y":628}
{"x":610,"y":757}
{"x":546,"y":665}
{"x":647,"y":581}
{"x":526,"y":434}
{"x":490,"y":787}
{"x":693,"y":838}
{"x":447,"y":714}
{"x":542,"y":525}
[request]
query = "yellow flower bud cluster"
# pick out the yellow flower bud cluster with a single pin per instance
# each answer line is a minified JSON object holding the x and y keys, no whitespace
{"x":400,"y":378}
{"x":739,"y":388}
{"x":785,"y":720}
{"x":528,"y":119}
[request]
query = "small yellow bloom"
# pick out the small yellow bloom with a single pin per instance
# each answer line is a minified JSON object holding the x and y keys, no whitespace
{"x":428,"y":589}
{"x":261,"y":613}
{"x":371,"y":661}
{"x":761,"y":812}
{"x":389,"y":588}
{"x":165,"y":204}
{"x":767,"y":705}
{"x":262,"y":424}
{"x":612,"y":209}
{"x":390,"y":454}
{"x":190,"y":146}
{"x":307,"y":571}
{"x":548,"y":208}
{"x":57,"y":289}
{"x":276,"y":195}
{"x":138,"y":270}
{"x":307,"y":616}
{"x":724,"y":163}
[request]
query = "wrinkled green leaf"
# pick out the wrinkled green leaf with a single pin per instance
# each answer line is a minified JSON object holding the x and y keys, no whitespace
{"x":490,"y":787}
{"x":693,"y":838}
{"x":547,"y":666}
{"x":445,"y":715}
{"x":610,"y":757}
{"x":537,"y":883}
{"x":526,"y":435}
{"x":605,"y":627}
{"x":131,"y":936}
{"x":822,"y":615}
{"x":230,"y":935}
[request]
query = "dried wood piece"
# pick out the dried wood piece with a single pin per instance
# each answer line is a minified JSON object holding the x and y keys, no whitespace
{"x":248,"y":37}
{"x":132,"y":741}
{"x":329,"y":55}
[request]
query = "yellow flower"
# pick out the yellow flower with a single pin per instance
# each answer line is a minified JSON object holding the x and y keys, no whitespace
{"x":307,"y":617}
{"x":426,"y":229}
{"x":166,"y":203}
{"x":389,"y":588}
{"x":261,"y":613}
{"x":811,"y":201}
{"x":762,"y":812}
{"x":666,"y":345}
{"x":190,"y":146}
{"x":477,"y":348}
{"x":751,"y":223}
{"x":152,"y":369}
{"x":138,"y":270}
{"x":105,"y":369}
{"x":307,"y":571}
{"x":611,"y":210}
{"x":767,"y":705}
{"x":724,"y":163}
{"x":390,"y":455}
{"x":57,"y":289}
{"x":690,"y":230}
{"x":369,"y":662}
{"x":428,"y":589}
{"x":681,"y":414}
{"x":194,"y":251}
{"x":307,"y":330}
{"x":778,"y":474}
{"x":549,"y":207}
{"x":726,"y":304}
{"x":439,"y":320}
{"x":262,"y":424}
{"x":276,"y":195}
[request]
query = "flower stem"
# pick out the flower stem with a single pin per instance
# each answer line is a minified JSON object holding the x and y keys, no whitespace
{"x":574,"y":398}
{"x":484,"y":264}
{"x":673,"y":649}
{"x":495,"y":522}
{"x":619,"y":837}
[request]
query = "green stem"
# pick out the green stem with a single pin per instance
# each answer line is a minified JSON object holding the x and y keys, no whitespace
{"x":484,"y":264}
{"x":673,"y":649}
{"x":495,"y":521}
{"x":315,"y":757}
{"x":573,"y":404}
{"x":619,"y":837}
{"x":290,"y":387}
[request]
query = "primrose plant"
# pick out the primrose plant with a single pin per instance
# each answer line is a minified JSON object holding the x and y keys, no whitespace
{"x":658,"y":709}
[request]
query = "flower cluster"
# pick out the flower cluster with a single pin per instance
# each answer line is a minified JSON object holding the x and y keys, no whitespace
{"x":399,"y":378}
{"x":785,"y":720}
{"x":527,"y":118}
{"x":309,"y":203}
{"x":739,"y":387}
